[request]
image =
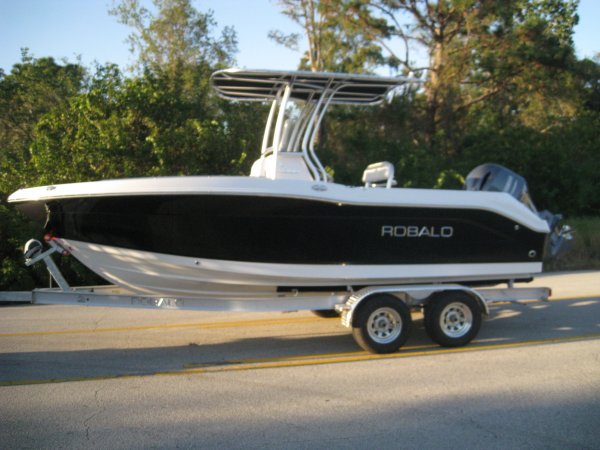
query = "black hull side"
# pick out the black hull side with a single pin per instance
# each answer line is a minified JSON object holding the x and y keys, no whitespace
{"x":294,"y":231}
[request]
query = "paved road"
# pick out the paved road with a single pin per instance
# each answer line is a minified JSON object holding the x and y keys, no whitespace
{"x":112,"y":378}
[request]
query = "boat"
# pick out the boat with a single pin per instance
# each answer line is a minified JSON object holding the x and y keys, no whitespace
{"x":288,"y":226}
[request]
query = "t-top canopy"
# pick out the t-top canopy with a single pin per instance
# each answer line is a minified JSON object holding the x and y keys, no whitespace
{"x":265,"y":85}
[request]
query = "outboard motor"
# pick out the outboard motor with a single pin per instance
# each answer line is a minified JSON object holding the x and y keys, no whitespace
{"x":558,"y":240}
{"x":496,"y":178}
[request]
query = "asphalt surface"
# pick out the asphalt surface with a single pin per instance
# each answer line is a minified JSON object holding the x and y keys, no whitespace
{"x":75,"y":377}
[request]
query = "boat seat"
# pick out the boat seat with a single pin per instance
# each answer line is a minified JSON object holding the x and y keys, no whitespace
{"x":379,"y":174}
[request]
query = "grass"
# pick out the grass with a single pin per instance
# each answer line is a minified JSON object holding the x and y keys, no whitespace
{"x":585,"y":247}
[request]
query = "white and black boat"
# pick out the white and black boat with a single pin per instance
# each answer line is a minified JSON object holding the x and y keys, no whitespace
{"x":287,"y":226}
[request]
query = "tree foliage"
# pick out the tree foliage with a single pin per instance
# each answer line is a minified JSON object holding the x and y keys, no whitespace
{"x":175,"y":36}
{"x":507,"y":52}
{"x":140,"y":127}
{"x":33,"y":88}
{"x":336,"y":35}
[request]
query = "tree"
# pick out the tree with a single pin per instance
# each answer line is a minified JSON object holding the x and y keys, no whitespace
{"x":177,"y":35}
{"x":336,"y":35}
{"x":95,"y":137}
{"x":588,"y":77}
{"x":479,"y":50}
{"x":33,"y":88}
{"x":127,"y":127}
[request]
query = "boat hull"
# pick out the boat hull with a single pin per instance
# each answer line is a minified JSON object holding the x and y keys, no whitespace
{"x":210,"y":234}
{"x":154,"y":273}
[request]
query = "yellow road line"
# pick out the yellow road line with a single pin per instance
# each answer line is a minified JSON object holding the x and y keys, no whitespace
{"x":308,"y":360}
{"x":324,"y":356}
{"x":207,"y":325}
{"x":579,"y":297}
{"x":405,"y":352}
{"x":551,"y":299}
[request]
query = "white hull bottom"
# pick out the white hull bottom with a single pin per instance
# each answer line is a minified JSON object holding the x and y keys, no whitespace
{"x":154,"y":273}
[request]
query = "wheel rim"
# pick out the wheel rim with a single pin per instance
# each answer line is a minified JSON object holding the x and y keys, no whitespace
{"x":384,"y":325}
{"x":456,"y":320}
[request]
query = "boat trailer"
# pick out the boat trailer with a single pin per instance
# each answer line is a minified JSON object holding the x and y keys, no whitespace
{"x":379,"y":316}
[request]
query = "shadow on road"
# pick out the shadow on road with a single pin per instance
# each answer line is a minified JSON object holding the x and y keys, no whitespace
{"x":534,"y":323}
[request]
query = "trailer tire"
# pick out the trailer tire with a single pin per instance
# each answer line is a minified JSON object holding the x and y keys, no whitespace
{"x":452,"y":318}
{"x":381,"y":324}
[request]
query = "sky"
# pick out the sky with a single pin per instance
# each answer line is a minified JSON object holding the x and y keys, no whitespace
{"x":72,"y":29}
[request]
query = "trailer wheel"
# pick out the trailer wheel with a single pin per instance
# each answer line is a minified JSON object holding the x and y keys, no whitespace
{"x":452,"y":318}
{"x":381,"y":324}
